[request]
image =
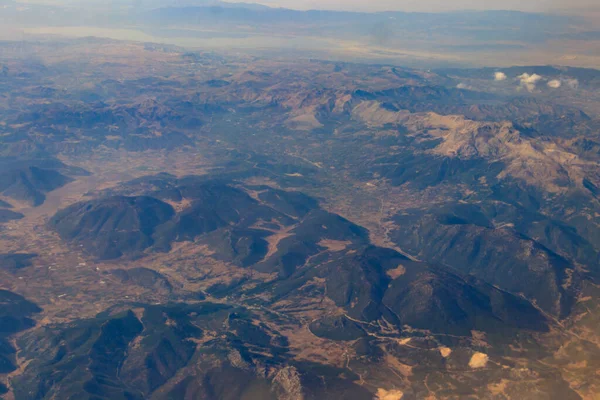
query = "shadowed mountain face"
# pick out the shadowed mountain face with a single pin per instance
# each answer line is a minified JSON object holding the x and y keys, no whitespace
{"x":30,"y":183}
{"x":29,"y":180}
{"x":8,"y":215}
{"x":4,"y":204}
{"x":215,"y":206}
{"x":15,"y":262}
{"x":503,"y":257}
{"x":439,"y":301}
{"x":112,"y":227}
{"x":14,"y":317}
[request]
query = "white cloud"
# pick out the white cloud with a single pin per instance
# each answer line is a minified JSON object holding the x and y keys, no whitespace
{"x":554,"y":84}
{"x":499,"y":76}
{"x":529,"y":81}
{"x":463,"y":86}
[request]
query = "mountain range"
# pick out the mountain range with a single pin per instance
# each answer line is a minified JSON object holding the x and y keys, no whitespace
{"x":203,"y":225}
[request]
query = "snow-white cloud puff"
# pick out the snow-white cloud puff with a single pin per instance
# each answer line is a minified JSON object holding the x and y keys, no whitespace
{"x":528,"y":81}
{"x":554,"y":83}
{"x":499,"y":76}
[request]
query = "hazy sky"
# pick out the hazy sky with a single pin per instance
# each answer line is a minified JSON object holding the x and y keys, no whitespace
{"x":590,"y":8}
{"x":430,"y":5}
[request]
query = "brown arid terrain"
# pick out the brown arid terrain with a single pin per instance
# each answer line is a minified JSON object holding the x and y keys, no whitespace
{"x":197,"y":225}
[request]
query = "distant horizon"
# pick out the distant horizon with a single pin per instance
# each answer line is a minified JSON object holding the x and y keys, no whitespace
{"x":589,"y":7}
{"x":431,"y":6}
